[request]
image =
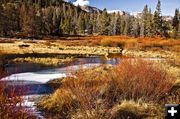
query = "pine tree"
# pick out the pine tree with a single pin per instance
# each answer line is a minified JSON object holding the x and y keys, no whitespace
{"x":149,"y":28}
{"x":40,"y":29}
{"x":49,"y":21}
{"x":175,"y":24}
{"x":157,"y":20}
{"x":90,"y":25}
{"x":135,"y":28}
{"x":165,"y":29}
{"x":127,"y":26}
{"x":123,"y":23}
{"x":118,"y":24}
{"x":55,"y":23}
{"x":104,"y":27}
{"x":67,"y":26}
{"x":178,"y":34}
{"x":144,"y":22}
{"x":81,"y":24}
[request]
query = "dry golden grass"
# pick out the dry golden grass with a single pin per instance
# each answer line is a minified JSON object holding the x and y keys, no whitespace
{"x":49,"y":61}
{"x":136,"y":110}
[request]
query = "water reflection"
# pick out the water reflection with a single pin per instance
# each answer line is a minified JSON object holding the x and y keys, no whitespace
{"x":31,"y":78}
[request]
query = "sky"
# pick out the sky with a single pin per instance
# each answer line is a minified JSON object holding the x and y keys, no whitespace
{"x":167,"y":6}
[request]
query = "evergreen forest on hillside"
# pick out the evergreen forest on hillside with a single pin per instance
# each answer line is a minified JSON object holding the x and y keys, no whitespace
{"x":38,"y":18}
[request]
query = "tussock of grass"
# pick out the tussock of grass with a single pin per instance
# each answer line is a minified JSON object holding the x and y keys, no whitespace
{"x":136,"y":110}
{"x":107,"y":92}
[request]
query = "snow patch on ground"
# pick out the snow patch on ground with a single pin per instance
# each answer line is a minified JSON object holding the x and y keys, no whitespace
{"x":46,"y":75}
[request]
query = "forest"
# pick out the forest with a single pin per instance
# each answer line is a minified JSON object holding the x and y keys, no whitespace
{"x":39,"y":18}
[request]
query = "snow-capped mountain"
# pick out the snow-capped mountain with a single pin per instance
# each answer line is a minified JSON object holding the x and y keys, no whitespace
{"x":118,"y":11}
{"x":136,"y":14}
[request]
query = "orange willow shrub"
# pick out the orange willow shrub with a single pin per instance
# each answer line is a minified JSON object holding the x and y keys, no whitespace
{"x":139,"y":79}
{"x":9,"y":102}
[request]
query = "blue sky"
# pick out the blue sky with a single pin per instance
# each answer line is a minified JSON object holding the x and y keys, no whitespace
{"x":167,"y":6}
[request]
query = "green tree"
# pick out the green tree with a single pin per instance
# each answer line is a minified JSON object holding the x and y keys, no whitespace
{"x":175,"y":24}
{"x":104,"y":25}
{"x":135,"y":31}
{"x":157,"y":20}
{"x":149,"y":25}
{"x":144,"y":22}
{"x":81,"y":24}
{"x":118,"y":24}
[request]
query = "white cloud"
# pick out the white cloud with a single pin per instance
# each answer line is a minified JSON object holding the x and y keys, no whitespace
{"x":81,"y":2}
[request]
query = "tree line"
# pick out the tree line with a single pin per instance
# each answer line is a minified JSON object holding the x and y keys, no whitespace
{"x":38,"y":18}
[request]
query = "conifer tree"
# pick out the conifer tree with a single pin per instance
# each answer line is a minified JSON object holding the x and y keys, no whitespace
{"x":81,"y":24}
{"x":149,"y":27}
{"x":104,"y":27}
{"x":135,"y":31}
{"x":175,"y":24}
{"x":118,"y":24}
{"x":144,"y":22}
{"x":157,"y":20}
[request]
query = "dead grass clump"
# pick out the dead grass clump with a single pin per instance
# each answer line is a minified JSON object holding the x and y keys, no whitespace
{"x":112,"y":43}
{"x":47,"y":43}
{"x":138,"y":79}
{"x":61,"y":103}
{"x":136,"y":110}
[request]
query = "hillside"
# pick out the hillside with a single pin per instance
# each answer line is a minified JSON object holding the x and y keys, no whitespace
{"x":41,"y":18}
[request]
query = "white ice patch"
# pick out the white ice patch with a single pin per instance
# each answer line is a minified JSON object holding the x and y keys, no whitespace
{"x":46,"y":75}
{"x":34,"y":77}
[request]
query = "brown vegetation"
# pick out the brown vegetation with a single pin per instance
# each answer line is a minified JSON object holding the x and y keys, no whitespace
{"x":10,"y":103}
{"x":119,"y":41}
{"x":106,"y":92}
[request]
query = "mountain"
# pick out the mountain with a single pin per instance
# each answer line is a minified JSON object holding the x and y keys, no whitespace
{"x":116,"y":11}
{"x":167,"y":18}
{"x":90,"y":9}
{"x":136,"y":14}
{"x":87,"y":8}
{"x":119,"y":11}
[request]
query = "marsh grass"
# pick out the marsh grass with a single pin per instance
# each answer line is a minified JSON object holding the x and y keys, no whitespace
{"x":106,"y":92}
